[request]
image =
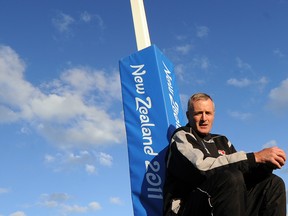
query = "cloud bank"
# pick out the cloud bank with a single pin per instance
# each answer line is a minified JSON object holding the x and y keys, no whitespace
{"x":76,"y":109}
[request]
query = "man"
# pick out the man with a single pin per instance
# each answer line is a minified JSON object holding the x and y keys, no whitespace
{"x":206,"y":176}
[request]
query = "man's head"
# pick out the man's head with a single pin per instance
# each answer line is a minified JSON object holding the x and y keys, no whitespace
{"x":201,"y":112}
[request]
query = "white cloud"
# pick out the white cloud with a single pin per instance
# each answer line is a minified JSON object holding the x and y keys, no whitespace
{"x":105,"y":159}
{"x":18,"y":213}
{"x":74,"y":209}
{"x":63,"y":22}
{"x":180,"y":71}
{"x":4,"y":190}
{"x":72,"y":111}
{"x":49,"y":158}
{"x":50,"y":204}
{"x":90,"y":168}
{"x":184,"y":49}
{"x":87,"y":18}
{"x":7,"y":115}
{"x":243,"y":65}
{"x":14,"y":89}
{"x":184,"y":100}
{"x":239,"y":115}
{"x":270,"y":143}
{"x":278,"y":52}
{"x":182,"y":37}
{"x":70,"y":160}
{"x":116,"y":200}
{"x":59,"y":202}
{"x":202,"y":63}
{"x":202,"y":31}
{"x":25,"y":130}
{"x":70,"y":209}
{"x":278,"y":97}
{"x":78,"y":160}
{"x":262,"y":82}
{"x":55,"y":197}
{"x":83,"y":80}
{"x":94,"y":206}
{"x":239,"y":82}
{"x":244,"y":82}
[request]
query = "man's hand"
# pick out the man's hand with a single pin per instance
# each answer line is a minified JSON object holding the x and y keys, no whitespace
{"x":273,"y":156}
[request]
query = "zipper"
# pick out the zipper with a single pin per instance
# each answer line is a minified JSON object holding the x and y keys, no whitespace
{"x":203,"y":144}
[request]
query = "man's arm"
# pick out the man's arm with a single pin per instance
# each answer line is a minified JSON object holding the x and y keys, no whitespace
{"x":182,"y":151}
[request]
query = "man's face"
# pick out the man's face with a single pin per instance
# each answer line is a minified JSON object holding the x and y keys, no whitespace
{"x":202,"y":116}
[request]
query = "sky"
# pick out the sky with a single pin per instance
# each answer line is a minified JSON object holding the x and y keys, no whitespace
{"x":63,"y":145}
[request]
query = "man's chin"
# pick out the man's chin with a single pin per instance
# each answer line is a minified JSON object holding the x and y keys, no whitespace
{"x":203,"y":132}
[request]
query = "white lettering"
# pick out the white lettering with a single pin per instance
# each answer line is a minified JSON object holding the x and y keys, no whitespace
{"x":147,"y":105}
{"x":174,"y":105}
{"x":175,"y":108}
{"x":149,"y":150}
{"x":143,"y":106}
{"x":169,"y":79}
{"x":154,"y":179}
{"x":138,"y":79}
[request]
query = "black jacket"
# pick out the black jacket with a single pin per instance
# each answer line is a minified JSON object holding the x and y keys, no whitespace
{"x":191,"y":159}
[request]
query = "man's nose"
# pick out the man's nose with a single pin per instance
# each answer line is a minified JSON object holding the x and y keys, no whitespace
{"x":204,"y":117}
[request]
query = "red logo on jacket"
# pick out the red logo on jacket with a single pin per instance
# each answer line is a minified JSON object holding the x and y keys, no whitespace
{"x":221,"y":152}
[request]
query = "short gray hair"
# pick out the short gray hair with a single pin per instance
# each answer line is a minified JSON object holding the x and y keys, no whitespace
{"x":198,"y":96}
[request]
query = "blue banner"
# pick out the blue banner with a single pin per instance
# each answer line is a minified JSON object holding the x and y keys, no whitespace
{"x":152,"y":111}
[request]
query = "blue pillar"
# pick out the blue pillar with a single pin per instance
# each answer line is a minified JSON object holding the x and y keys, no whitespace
{"x":152,"y":111}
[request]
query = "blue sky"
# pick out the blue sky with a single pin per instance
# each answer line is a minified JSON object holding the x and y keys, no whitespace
{"x":63,"y":146}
